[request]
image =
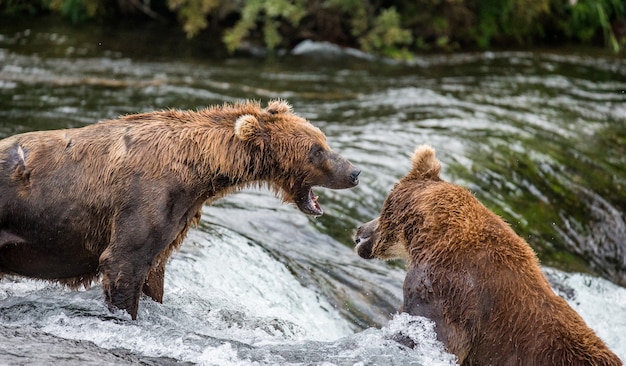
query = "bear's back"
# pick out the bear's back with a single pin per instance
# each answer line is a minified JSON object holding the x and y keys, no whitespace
{"x":488,"y":281}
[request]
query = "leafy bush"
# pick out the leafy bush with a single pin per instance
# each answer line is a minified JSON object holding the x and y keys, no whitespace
{"x":393,"y":28}
{"x":193,"y":13}
{"x":518,"y":20}
{"x":16,"y":7}
{"x":385,"y":36}
{"x":590,"y":16}
{"x":270,"y":14}
{"x":77,"y":10}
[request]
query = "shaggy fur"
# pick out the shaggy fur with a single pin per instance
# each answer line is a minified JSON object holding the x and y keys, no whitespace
{"x":114,"y":199}
{"x":474,"y":277}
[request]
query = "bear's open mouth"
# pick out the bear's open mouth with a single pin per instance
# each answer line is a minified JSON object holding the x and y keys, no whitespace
{"x":306,"y":201}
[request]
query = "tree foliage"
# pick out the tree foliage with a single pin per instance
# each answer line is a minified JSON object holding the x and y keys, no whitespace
{"x":587,"y":16}
{"x":390,"y":28}
{"x":193,"y":13}
{"x":266,"y":17}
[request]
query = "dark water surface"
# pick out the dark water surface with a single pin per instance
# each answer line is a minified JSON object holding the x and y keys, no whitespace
{"x":539,"y":137}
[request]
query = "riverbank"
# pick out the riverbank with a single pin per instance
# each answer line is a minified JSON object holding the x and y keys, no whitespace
{"x":398,"y":29}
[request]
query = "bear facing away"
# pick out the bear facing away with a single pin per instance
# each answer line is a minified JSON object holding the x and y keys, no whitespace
{"x":474,"y":277}
{"x":114,"y":199}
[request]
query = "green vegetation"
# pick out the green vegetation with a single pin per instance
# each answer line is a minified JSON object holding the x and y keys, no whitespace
{"x":390,"y":28}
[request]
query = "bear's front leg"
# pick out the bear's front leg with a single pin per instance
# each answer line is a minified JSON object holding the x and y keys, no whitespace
{"x":122,"y":281}
{"x":134,"y":245}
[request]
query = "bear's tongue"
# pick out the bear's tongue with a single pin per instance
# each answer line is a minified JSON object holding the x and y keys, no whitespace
{"x":308,"y":204}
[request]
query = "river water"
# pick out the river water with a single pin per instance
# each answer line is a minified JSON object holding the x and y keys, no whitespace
{"x":539,"y":137}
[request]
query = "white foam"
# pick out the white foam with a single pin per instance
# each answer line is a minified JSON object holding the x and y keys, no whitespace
{"x":428,"y":349}
{"x":600,"y":303}
{"x":237,"y":275}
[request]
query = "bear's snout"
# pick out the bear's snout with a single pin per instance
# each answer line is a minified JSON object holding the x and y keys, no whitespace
{"x":364,"y":248}
{"x":354,"y":176}
{"x":338,"y":172}
{"x":364,"y":239}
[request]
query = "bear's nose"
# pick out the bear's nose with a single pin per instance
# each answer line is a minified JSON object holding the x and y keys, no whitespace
{"x":354,"y":176}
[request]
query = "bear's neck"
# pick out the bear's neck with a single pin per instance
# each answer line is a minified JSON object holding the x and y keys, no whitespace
{"x":222,"y":162}
{"x":202,"y":153}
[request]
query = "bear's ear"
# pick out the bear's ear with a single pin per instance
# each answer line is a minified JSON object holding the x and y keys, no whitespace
{"x":425,"y":164}
{"x":247,"y":127}
{"x":278,"y":106}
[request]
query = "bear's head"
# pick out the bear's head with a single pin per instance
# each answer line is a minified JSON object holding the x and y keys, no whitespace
{"x":386,"y":236}
{"x":294,"y":155}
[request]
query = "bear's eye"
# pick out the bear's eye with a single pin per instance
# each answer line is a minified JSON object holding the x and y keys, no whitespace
{"x":316,"y":154}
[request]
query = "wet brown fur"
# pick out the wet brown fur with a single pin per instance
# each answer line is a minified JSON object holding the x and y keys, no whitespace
{"x":114,"y":199}
{"x":474,"y":277}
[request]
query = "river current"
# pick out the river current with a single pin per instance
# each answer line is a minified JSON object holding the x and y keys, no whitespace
{"x":539,"y":137}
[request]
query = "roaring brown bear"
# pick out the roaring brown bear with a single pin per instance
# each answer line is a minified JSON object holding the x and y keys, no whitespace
{"x":474,"y":277}
{"x":115,"y":198}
